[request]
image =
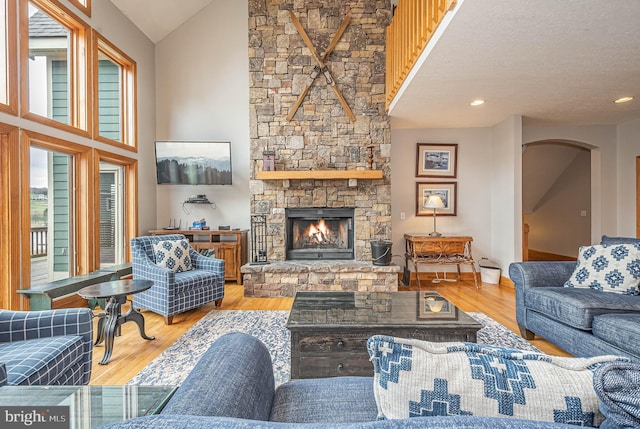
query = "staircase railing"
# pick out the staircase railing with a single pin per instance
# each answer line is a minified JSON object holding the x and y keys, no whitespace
{"x":412,"y":26}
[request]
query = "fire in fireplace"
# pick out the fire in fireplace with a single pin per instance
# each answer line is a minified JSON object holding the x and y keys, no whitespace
{"x":319,"y":233}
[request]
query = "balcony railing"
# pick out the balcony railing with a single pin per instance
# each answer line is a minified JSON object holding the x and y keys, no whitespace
{"x":413,"y":25}
{"x":38,"y":241}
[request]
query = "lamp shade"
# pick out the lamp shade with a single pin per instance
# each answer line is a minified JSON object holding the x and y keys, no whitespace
{"x":434,"y":202}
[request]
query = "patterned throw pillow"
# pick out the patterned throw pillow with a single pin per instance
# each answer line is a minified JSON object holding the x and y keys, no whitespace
{"x":414,"y":378}
{"x":173,"y":254}
{"x":608,"y":268}
{"x":209,"y":253}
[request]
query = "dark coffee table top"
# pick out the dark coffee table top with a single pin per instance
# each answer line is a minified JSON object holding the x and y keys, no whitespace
{"x":114,"y":288}
{"x":374,"y":309}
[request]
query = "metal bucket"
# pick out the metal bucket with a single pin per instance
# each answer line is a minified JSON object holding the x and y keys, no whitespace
{"x":381,"y":252}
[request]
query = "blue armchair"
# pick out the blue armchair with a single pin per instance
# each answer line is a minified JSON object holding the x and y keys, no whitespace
{"x":51,"y":347}
{"x":175,"y":292}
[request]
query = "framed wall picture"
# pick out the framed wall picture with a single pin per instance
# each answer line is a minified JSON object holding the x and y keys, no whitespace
{"x":436,"y":160}
{"x":447,"y":193}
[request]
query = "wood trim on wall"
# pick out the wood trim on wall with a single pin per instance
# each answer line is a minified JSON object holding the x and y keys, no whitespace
{"x":12,"y":60}
{"x":83,"y":6}
{"x":10,"y":262}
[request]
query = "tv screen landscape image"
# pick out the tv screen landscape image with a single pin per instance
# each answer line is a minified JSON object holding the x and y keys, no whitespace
{"x":193,"y":163}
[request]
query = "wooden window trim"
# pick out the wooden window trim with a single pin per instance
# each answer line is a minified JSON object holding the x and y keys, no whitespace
{"x":130,"y":198}
{"x":79,"y":76}
{"x":128,"y":89}
{"x":84,"y":8}
{"x":10,"y":262}
{"x":83,"y":196}
{"x":12,"y":60}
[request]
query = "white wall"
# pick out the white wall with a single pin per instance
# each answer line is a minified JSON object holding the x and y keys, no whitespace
{"x":506,"y":192}
{"x":603,"y":138}
{"x":628,"y":150}
{"x":474,"y":212}
{"x":203,"y":94}
{"x":557,"y":225}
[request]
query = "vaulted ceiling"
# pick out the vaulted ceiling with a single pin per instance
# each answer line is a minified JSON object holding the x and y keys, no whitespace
{"x":554,"y":62}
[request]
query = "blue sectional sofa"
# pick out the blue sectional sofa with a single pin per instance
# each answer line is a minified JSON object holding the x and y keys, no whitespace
{"x":51,"y":347}
{"x":584,"y":322}
{"x":232,"y":386}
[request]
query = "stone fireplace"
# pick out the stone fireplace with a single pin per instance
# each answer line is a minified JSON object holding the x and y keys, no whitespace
{"x":319,"y":233}
{"x":319,"y":139}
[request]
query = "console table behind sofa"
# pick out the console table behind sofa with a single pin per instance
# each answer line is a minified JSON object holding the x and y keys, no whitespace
{"x":41,"y":297}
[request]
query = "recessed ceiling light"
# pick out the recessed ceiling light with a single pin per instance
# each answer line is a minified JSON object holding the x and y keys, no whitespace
{"x":477,"y":102}
{"x":623,"y":100}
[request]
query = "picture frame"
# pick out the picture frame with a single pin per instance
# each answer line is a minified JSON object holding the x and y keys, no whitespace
{"x":448,"y":194}
{"x":193,"y":163}
{"x":432,"y":306}
{"x":437,"y":160}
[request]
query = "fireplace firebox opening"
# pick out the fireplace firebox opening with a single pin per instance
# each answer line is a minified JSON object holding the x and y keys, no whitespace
{"x":319,"y":233}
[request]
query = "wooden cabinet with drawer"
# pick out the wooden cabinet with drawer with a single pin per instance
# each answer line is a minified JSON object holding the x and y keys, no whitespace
{"x":229,"y":245}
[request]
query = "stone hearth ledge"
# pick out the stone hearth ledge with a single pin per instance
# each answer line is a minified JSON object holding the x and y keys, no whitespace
{"x":284,"y":279}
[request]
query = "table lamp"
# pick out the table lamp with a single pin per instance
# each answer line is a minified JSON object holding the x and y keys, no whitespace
{"x":434,"y":202}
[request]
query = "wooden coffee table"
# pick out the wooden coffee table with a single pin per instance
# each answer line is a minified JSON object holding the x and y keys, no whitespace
{"x":329,"y":330}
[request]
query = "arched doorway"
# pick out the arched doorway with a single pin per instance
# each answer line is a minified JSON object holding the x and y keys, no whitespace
{"x":556,"y":199}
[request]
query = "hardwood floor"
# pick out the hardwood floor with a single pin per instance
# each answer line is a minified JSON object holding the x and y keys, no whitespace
{"x":131,"y":353}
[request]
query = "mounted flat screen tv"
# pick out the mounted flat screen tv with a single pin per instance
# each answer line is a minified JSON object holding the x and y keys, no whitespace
{"x":193,"y":163}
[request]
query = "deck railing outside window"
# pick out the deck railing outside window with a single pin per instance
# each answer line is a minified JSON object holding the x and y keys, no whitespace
{"x":413,"y":24}
{"x":38,"y":241}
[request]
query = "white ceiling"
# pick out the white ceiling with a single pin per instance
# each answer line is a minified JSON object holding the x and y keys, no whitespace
{"x":553,"y":61}
{"x":157,"y":18}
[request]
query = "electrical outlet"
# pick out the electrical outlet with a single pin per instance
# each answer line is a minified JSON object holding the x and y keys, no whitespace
{"x":583,"y":213}
{"x":403,"y":216}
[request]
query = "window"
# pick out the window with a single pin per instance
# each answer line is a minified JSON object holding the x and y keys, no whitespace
{"x":83,"y":5}
{"x":8,"y":66}
{"x":116,"y":206}
{"x":111,"y":215}
{"x":57,"y":202}
{"x":54,"y":66}
{"x":51,"y":237}
{"x":115,"y":94}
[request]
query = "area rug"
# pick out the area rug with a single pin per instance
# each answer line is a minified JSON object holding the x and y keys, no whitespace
{"x":173,"y":365}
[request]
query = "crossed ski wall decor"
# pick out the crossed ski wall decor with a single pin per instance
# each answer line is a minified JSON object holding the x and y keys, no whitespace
{"x":321,"y":67}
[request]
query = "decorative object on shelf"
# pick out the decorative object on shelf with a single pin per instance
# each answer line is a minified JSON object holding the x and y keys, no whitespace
{"x":434,"y":202}
{"x":259,"y":239}
{"x":320,"y":65}
{"x":196,"y":199}
{"x":268,"y":160}
{"x":446,"y":191}
{"x":172,"y":225}
{"x":370,"y":160}
{"x":199,"y":225}
{"x":436,"y":160}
